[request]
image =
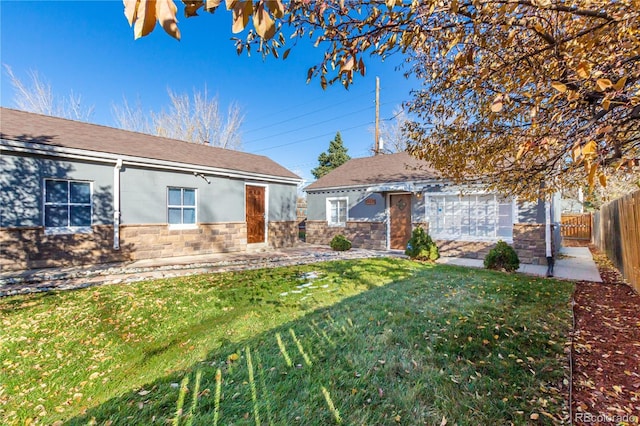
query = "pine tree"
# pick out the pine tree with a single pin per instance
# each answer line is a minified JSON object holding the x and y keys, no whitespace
{"x":334,"y":157}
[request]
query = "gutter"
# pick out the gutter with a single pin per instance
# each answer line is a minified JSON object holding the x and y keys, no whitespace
{"x":104,"y":157}
{"x":547,"y":237}
{"x":116,"y":204}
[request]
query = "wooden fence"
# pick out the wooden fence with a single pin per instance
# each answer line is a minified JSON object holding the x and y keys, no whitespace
{"x":576,"y":226}
{"x":616,"y":232}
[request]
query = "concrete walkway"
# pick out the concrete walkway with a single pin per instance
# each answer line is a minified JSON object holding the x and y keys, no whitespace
{"x":574,"y":263}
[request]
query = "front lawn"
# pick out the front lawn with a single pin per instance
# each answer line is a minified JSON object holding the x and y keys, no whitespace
{"x":379,"y":341}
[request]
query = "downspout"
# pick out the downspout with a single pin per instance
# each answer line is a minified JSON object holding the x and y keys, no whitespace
{"x":547,"y":237}
{"x":116,"y":204}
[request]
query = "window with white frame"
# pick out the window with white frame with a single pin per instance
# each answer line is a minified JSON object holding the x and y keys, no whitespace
{"x":181,"y":207}
{"x":67,"y":205}
{"x":474,"y":216}
{"x":337,"y":211}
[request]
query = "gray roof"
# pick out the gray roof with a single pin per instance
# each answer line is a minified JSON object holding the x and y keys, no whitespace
{"x":383,"y":168}
{"x":59,"y":132}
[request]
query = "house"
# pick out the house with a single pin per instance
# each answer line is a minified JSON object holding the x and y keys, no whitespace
{"x":79,"y":193}
{"x":377,"y":201}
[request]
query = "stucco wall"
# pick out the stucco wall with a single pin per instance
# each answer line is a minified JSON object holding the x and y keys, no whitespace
{"x":21,"y":188}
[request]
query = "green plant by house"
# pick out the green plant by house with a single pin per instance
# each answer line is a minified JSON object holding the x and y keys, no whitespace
{"x":502,"y":257}
{"x":421,"y":246}
{"x":340,"y":243}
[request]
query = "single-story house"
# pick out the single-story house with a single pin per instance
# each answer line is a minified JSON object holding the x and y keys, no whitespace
{"x":80,"y":193}
{"x":377,"y":201}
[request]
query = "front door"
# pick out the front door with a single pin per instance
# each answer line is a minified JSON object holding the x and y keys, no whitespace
{"x":400,"y":221}
{"x":255,"y":214}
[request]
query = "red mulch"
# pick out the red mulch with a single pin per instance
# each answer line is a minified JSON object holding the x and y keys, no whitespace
{"x":606,"y":350}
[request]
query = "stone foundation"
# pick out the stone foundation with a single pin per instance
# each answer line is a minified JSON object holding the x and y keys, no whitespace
{"x":154,"y":241}
{"x":367,"y":235}
{"x":283,"y":234}
{"x":529,"y":243}
{"x":466,"y":249}
{"x":28,"y":248}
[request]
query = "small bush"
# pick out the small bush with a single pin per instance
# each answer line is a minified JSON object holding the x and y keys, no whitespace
{"x":502,"y":257}
{"x":421,"y":246}
{"x":340,"y":243}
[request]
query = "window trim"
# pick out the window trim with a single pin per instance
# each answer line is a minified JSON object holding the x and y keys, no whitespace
{"x":61,"y":230}
{"x":193,"y":225}
{"x":328,"y":211}
{"x":461,"y":237}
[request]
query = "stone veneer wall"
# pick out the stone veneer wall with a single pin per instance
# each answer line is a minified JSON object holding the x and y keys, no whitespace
{"x":151,"y":241}
{"x":528,"y":242}
{"x":27,"y":248}
{"x":367,"y":235}
{"x":283,"y":234}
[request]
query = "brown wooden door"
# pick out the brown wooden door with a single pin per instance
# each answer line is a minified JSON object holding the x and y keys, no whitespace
{"x":400,"y":212}
{"x":255,"y":214}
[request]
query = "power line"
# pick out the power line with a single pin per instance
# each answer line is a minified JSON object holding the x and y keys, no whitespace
{"x":311,"y":138}
{"x":306,"y":127}
{"x":303,"y":115}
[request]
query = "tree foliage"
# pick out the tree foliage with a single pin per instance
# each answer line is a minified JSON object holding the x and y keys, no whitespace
{"x":334,"y":157}
{"x":514,"y":92}
{"x":195,"y":118}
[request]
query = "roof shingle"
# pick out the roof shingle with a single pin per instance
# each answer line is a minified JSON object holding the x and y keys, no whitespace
{"x":29,"y":127}
{"x":385,"y":168}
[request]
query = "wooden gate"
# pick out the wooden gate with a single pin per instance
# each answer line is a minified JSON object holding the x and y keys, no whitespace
{"x":576,"y":226}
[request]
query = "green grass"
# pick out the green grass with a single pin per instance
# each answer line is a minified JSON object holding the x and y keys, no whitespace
{"x":381,"y":341}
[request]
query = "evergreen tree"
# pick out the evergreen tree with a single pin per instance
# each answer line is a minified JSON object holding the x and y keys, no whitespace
{"x":334,"y":157}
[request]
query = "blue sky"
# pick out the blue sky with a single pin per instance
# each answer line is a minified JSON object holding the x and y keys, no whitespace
{"x":87,"y":47}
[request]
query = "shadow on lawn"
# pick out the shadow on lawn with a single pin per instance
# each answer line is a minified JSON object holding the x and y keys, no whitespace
{"x":236,"y":382}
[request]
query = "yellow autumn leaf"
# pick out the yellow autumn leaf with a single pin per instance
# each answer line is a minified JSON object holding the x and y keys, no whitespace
{"x":589,"y":149}
{"x":242,"y":11}
{"x":606,"y":103}
{"x":234,"y":357}
{"x":534,"y":416}
{"x":576,"y":153}
{"x":603,"y":182}
{"x":617,"y":388}
{"x":620,"y":84}
{"x":145,"y":18}
{"x":559,"y":86}
{"x":496,"y":105}
{"x":265,"y":26}
{"x":130,"y":10}
{"x":276,"y":7}
{"x":603,"y":84}
{"x":166,"y":14}
{"x":593,"y":168}
{"x":572,"y":95}
{"x":584,"y":70}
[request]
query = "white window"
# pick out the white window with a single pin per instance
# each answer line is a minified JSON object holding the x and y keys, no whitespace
{"x":337,"y":211}
{"x":471,"y":217}
{"x":181,"y":207}
{"x":67,"y":206}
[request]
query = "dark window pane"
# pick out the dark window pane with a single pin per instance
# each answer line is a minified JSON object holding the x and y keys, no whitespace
{"x":189,"y":216}
{"x":189,"y":197}
{"x":80,"y":192}
{"x":80,"y":215}
{"x":56,"y":216}
{"x":57,"y":191}
{"x":175,"y":197}
{"x":175,"y":216}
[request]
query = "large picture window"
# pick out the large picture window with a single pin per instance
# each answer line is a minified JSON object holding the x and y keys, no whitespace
{"x":337,"y":211}
{"x":67,"y":205}
{"x":181,"y":207}
{"x":472,"y":217}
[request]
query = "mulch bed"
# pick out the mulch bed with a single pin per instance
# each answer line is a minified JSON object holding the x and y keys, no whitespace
{"x":606,"y":349}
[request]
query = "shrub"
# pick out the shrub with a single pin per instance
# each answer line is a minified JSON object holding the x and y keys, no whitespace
{"x":421,"y":246}
{"x":502,"y":257}
{"x":340,"y":243}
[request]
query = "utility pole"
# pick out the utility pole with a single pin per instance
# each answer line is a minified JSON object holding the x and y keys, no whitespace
{"x":376,"y":144}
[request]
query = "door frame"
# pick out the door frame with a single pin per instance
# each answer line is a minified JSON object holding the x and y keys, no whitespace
{"x":265,"y":243}
{"x":388,"y":214}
